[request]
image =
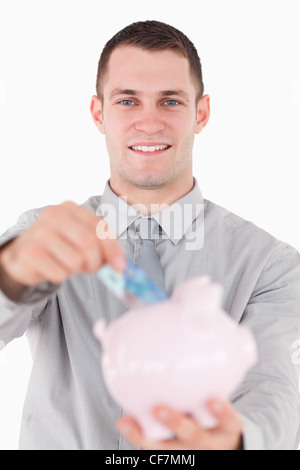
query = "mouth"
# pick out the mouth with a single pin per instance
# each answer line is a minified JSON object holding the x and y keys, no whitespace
{"x":150,"y":149}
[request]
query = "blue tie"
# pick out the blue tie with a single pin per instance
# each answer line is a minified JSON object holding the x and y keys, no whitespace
{"x":148,"y":258}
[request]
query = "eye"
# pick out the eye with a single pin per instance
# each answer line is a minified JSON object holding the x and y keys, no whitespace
{"x":171,"y":103}
{"x":127,"y":103}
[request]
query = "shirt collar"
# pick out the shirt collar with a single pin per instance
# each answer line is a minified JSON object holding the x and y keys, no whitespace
{"x":175,"y":220}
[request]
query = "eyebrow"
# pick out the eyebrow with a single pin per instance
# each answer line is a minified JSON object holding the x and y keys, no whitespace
{"x":128,"y":92}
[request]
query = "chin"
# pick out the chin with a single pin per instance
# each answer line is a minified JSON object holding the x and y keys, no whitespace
{"x":150,"y":182}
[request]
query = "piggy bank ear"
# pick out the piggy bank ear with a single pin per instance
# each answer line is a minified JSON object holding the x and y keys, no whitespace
{"x":199,"y":294}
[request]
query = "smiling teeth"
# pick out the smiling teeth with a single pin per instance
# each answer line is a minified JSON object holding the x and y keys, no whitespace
{"x":150,"y":149}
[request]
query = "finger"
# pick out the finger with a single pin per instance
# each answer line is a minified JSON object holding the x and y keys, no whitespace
{"x":70,"y":258}
{"x":109,"y":248}
{"x":36,"y":267}
{"x":130,"y":429}
{"x":184,"y":427}
{"x":80,"y":214}
{"x":85,"y":242}
{"x":68,"y":224}
{"x":49,"y":255}
{"x":51,"y":271}
{"x":133,"y":433}
{"x":229,"y":420}
{"x":78,"y":226}
{"x":64,"y":245}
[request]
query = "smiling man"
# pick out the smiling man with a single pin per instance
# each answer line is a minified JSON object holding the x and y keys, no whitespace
{"x":150,"y":104}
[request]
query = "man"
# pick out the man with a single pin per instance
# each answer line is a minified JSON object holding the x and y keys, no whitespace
{"x":149,"y":105}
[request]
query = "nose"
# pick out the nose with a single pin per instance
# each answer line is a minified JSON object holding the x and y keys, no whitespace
{"x":149,"y":121}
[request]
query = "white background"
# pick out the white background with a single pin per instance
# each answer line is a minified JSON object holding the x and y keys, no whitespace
{"x":246,"y":159}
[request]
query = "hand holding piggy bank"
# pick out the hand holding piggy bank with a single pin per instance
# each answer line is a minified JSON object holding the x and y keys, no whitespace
{"x":181,"y":352}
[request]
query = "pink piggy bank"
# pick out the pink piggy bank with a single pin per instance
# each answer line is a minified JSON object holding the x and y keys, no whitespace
{"x":180,"y":352}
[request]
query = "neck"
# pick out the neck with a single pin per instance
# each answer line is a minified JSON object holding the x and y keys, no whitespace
{"x":150,"y":201}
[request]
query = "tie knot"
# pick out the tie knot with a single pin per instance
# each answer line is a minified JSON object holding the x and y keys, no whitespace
{"x":145,"y":227}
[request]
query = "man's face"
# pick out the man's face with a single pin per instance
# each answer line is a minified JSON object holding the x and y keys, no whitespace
{"x":149,"y":117}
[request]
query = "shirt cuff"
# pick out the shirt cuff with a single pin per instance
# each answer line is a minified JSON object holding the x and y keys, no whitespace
{"x":252,"y":435}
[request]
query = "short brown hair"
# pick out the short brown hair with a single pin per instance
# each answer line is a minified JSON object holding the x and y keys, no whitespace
{"x":152,"y":36}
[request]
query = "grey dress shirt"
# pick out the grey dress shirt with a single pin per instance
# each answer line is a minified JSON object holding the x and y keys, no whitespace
{"x":67,"y":405}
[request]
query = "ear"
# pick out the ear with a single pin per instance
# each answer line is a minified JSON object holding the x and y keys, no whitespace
{"x":97,"y":113}
{"x":203,"y":113}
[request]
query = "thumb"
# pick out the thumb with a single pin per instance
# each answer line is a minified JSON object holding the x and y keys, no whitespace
{"x":229,"y":420}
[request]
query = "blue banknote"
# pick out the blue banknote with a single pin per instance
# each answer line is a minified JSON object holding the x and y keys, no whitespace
{"x":133,"y":287}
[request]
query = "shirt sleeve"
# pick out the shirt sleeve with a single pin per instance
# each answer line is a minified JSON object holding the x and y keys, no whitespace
{"x":16,"y":316}
{"x":268,"y":399}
